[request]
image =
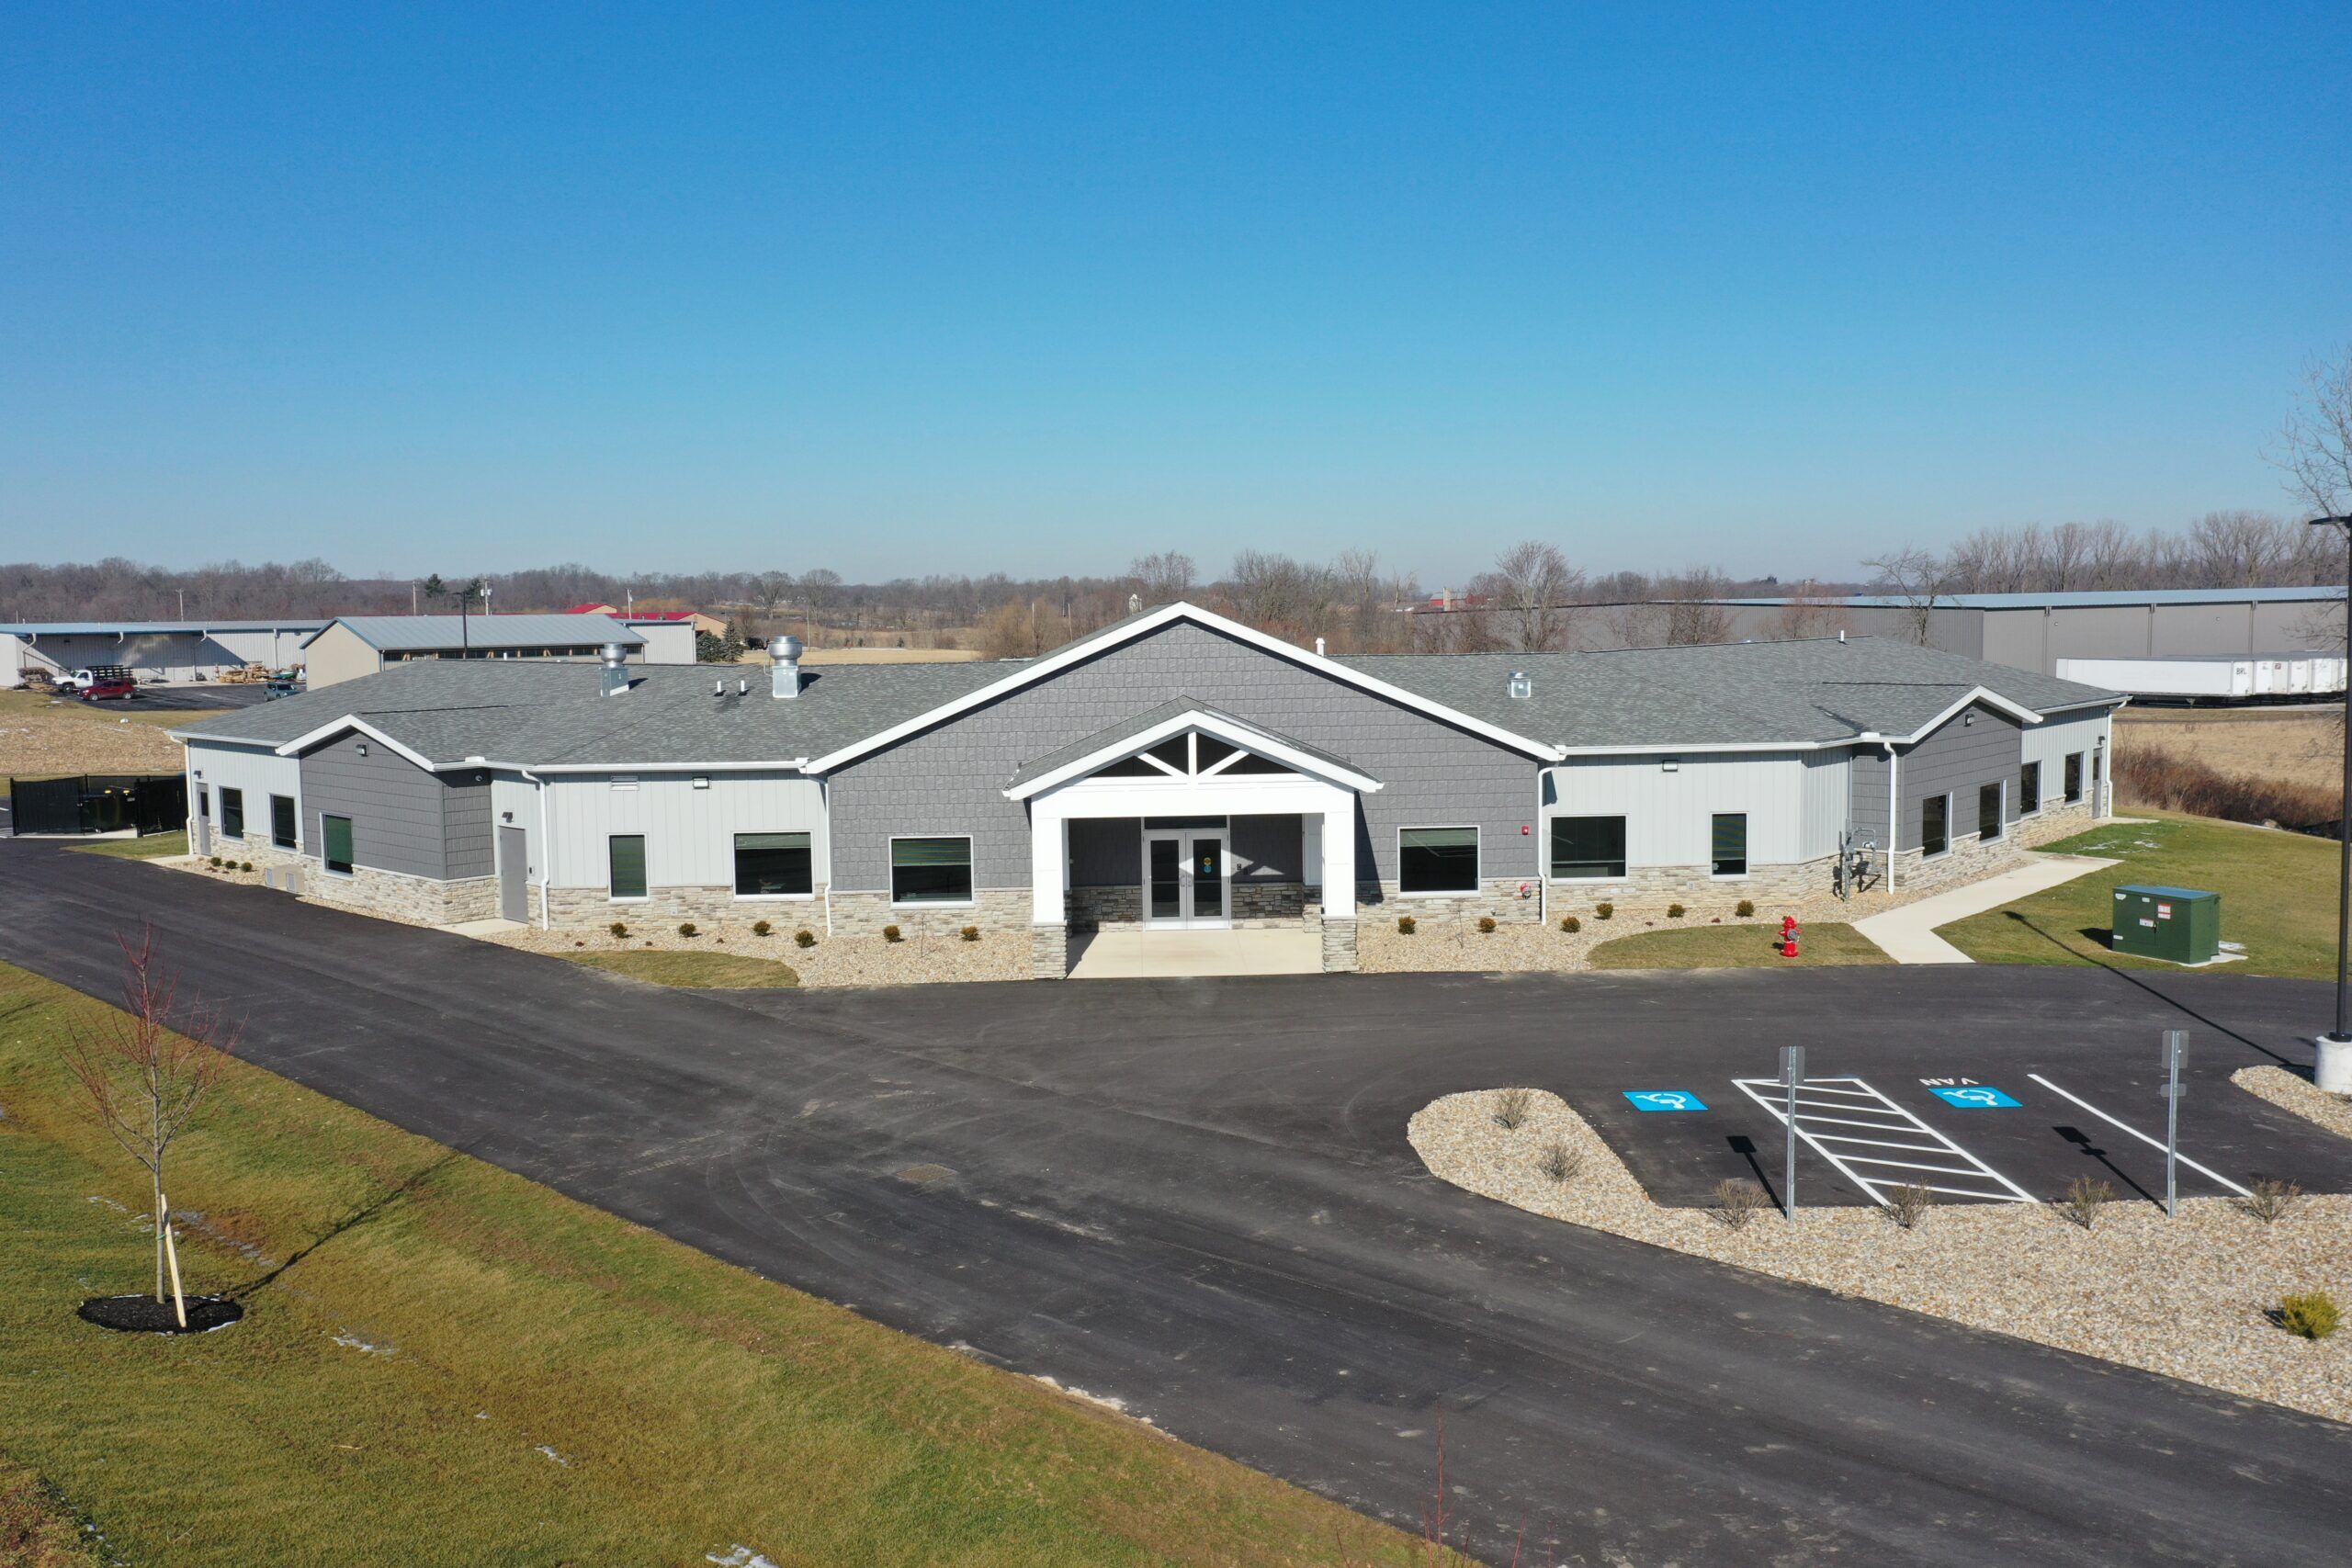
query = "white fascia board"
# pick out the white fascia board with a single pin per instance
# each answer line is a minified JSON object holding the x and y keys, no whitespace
{"x":1262,"y":796}
{"x":353,"y":726}
{"x":1240,"y":735}
{"x":1077,"y":652}
{"x":1991,"y":699}
{"x":789,"y":764}
{"x":1570,"y":753}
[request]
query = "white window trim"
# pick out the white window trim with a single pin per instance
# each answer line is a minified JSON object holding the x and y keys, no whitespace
{"x":808,"y":897}
{"x":891,"y":871}
{"x":2082,"y":777}
{"x":2001,"y":820}
{"x":613,"y":898}
{"x":1940,"y":854}
{"x":2040,"y":795}
{"x":324,"y":869}
{"x":1747,"y":861}
{"x":1478,"y":878}
{"x":1625,"y":879}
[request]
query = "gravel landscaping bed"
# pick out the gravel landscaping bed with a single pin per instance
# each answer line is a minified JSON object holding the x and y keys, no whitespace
{"x":835,"y":961}
{"x":1447,"y":942}
{"x":2189,"y":1298}
{"x":2305,"y":1099}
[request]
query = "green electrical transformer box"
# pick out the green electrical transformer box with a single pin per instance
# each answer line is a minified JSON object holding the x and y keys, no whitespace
{"x":2180,"y":924}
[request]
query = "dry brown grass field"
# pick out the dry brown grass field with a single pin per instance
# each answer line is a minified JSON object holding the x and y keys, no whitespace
{"x":2292,"y":745}
{"x":41,"y":736}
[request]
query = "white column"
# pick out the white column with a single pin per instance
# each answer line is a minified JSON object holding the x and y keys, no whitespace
{"x":1339,"y":855}
{"x":1049,"y":861}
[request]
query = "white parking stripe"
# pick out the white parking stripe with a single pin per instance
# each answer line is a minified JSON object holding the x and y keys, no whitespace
{"x":2137,"y":1134}
{"x":1811,"y":1125}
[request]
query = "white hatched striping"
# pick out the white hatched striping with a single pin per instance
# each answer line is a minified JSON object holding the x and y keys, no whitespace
{"x":1863,"y":1107}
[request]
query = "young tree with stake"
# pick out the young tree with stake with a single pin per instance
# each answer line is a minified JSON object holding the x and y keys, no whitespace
{"x":143,"y":1074}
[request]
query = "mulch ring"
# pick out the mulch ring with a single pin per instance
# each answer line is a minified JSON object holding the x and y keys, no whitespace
{"x":145,"y":1315}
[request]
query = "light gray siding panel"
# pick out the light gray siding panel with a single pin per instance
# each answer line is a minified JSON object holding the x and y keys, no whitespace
{"x":1828,"y":788}
{"x":951,"y":778}
{"x":689,"y":833}
{"x":394,"y":805}
{"x":1669,"y":815}
{"x":1106,"y":851}
{"x":1956,"y":760}
{"x":259,"y":772}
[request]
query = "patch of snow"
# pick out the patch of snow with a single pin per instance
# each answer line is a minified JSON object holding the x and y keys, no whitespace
{"x":553,"y":1455}
{"x":354,"y":1342}
{"x":102,"y":1197}
{"x":1101,"y":1401}
{"x":739,"y":1556}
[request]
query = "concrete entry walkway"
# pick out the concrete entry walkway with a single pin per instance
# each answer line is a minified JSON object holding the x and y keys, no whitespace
{"x":1136,"y":955}
{"x":1908,"y":935}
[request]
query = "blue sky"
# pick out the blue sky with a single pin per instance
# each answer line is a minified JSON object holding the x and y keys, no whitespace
{"x":958,"y":288}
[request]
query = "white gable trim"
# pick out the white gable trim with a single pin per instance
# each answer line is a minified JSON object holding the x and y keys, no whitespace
{"x":1144,"y":625}
{"x":1228,"y":730}
{"x":353,"y":726}
{"x":1991,"y":699}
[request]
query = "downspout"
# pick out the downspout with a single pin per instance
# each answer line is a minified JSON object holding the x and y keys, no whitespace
{"x":1542,"y":860}
{"x":1895,"y":808}
{"x":547,"y":844}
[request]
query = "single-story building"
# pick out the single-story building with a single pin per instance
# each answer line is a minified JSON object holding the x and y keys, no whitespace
{"x":351,"y":646}
{"x":163,"y":650}
{"x":701,"y":622}
{"x":1174,"y":770}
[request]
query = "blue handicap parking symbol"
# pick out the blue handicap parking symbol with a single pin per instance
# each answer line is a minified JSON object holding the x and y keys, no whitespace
{"x":1977,"y":1097}
{"x":1665,"y":1099}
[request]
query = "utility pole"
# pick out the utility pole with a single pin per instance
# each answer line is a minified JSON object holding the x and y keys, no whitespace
{"x":2335,"y":1068}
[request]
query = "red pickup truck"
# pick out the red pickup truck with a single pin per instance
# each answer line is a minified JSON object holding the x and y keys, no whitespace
{"x":115,"y":687}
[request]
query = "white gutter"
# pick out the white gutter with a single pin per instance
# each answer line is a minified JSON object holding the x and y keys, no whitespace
{"x":1894,"y":810}
{"x":546,"y":846}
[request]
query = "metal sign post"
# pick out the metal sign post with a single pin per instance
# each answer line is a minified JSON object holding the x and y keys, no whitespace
{"x":1792,"y":1075}
{"x":2175,"y":1058}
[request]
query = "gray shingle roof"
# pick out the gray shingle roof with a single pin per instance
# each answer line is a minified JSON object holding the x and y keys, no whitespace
{"x":1112,"y":735}
{"x":410,"y":634}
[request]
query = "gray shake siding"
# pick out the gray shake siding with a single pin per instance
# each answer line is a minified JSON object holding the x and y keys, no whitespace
{"x":403,"y":819}
{"x":950,"y":779}
{"x":1954,"y":760}
{"x":1868,"y":818}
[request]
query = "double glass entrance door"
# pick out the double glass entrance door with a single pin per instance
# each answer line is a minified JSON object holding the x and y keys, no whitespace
{"x":1184,"y":879}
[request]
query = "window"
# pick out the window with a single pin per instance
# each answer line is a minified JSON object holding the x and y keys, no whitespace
{"x":1988,"y":812}
{"x":1589,"y":848}
{"x":1935,"y":826}
{"x":2074,"y":777}
{"x":281,"y":820}
{"x":772,"y":865}
{"x":233,"y":813}
{"x":1437,"y":859}
{"x":931,"y":871}
{"x":1730,"y":839}
{"x":626,"y":855}
{"x":336,"y":831}
{"x":2029,"y":789}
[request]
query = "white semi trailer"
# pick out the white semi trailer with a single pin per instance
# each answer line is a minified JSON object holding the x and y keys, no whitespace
{"x":2215,"y":678}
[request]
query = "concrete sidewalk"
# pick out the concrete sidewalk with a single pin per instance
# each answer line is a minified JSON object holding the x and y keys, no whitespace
{"x":1908,"y":935}
{"x":1139,"y":955}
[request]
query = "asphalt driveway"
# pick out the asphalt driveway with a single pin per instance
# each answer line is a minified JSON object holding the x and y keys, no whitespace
{"x":1195,"y":1197}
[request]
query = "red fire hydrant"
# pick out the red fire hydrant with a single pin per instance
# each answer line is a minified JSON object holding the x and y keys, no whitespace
{"x":1788,"y":936}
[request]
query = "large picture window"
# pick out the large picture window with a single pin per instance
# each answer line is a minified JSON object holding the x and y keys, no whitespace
{"x":233,"y":813}
{"x":931,"y":871}
{"x":1730,"y":840}
{"x":1437,"y":859}
{"x":1935,"y":826}
{"x":1589,"y":848}
{"x":281,"y":820}
{"x":2029,"y":789}
{"x":1988,"y":812}
{"x":2074,"y":777}
{"x":625,"y":852}
{"x":336,"y":850}
{"x":772,"y":865}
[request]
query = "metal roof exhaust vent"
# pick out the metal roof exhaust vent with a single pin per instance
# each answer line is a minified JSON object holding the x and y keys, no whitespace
{"x":1521,"y":688}
{"x":784,"y":675}
{"x":614,"y":675}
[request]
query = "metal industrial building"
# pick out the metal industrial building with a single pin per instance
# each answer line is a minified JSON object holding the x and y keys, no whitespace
{"x":352,"y":646}
{"x":163,"y":650}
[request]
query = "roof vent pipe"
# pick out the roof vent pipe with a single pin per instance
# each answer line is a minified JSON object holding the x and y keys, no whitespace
{"x":614,"y":675}
{"x":1521,"y":687}
{"x":1318,"y":647}
{"x":784,"y":675}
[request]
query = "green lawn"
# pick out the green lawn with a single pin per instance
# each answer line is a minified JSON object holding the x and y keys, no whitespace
{"x":723,"y":971}
{"x":152,"y":847}
{"x":451,"y":1365}
{"x":2277,"y":897}
{"x":1753,"y":946}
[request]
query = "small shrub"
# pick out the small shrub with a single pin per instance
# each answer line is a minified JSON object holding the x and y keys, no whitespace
{"x":1602,"y":912}
{"x":1512,"y":1106}
{"x":761,"y":928}
{"x":805,"y":937}
{"x":1745,"y":909}
{"x":618,"y":928}
{"x":1406,"y":925}
{"x":892,"y":933}
{"x":2311,"y":1314}
{"x":970,"y":934}
{"x":1908,"y":1204}
{"x":1570,"y":924}
{"x":578,"y":945}
{"x":1560,"y":1162}
{"x":2084,"y":1199}
{"x":1738,"y":1200}
{"x":1674,"y":912}
{"x":214,"y":863}
{"x":2270,"y":1200}
{"x":244,"y":865}
{"x":685,"y":927}
{"x":1486,"y":924}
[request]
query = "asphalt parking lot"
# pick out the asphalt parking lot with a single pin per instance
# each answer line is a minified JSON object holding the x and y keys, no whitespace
{"x":209,"y":697}
{"x":1976,"y":1121}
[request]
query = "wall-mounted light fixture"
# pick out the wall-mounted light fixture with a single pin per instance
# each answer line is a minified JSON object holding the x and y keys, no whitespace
{"x":363,"y":748}
{"x":1671,"y":765}
{"x":701,"y":783}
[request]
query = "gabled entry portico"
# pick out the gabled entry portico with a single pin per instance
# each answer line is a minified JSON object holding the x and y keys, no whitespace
{"x":1183,"y":773}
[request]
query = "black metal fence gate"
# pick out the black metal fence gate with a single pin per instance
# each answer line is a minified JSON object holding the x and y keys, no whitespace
{"x":99,"y":802}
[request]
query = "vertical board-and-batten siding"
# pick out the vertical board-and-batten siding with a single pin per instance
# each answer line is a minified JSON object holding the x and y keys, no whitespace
{"x":2052,"y":741}
{"x":1794,"y":801}
{"x":1956,"y":760}
{"x":257,"y":771}
{"x":403,"y":819}
{"x":950,"y":779}
{"x":689,"y":833}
